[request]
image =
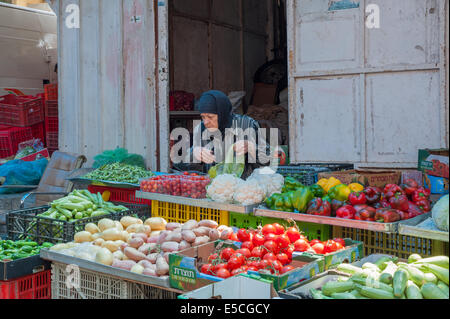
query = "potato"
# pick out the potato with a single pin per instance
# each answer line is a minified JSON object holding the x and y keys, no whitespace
{"x":124,"y":264}
{"x":118,"y":225}
{"x":92,"y":228}
{"x":119,"y":242}
{"x":213,"y":234}
{"x":162,"y":237}
{"x":118,"y":255}
{"x":170,"y":246}
{"x":200,"y":241}
{"x":126,"y":236}
{"x":127,"y":221}
{"x":147,"y":248}
{"x":156,"y":223}
{"x":99,"y":242}
{"x":149,"y":272}
{"x":188,"y":235}
{"x":162,"y":268}
{"x":173,"y":226}
{"x":83,"y":237}
{"x":225,"y":234}
{"x":153,"y":239}
{"x":184,"y":245}
{"x":189,"y":225}
{"x":105,"y":257}
{"x":134,"y":254}
{"x":155,"y":233}
{"x":152,"y":257}
{"x":201,"y":231}
{"x":111,"y":246}
{"x":112,"y":234}
{"x":208,"y":223}
{"x":140,"y":235}
{"x":105,"y":224}
{"x":138,"y":269}
{"x":174,"y":236}
{"x":136,"y":242}
{"x":136,"y":228}
{"x":96,"y":236}
{"x":146,"y":264}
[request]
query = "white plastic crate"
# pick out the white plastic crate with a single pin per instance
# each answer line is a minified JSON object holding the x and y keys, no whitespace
{"x":140,"y":291}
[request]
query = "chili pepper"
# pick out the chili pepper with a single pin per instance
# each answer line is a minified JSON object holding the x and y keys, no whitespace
{"x":319,"y":207}
{"x":347,"y":212}
{"x":414,"y":210}
{"x":424,"y":205}
{"x":317,"y":190}
{"x":399,"y":202}
{"x":387,"y":215}
{"x":410,"y":186}
{"x":390,"y":190}
{"x":421,"y":193}
{"x":339,"y":192}
{"x":373,"y":194}
{"x":301,"y":199}
{"x":357,"y":198}
{"x":356,"y":187}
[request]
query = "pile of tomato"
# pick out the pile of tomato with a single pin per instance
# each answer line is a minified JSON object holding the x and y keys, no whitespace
{"x":186,"y":185}
{"x":268,"y":249}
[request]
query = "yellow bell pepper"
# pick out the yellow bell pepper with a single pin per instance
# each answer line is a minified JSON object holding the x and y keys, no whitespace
{"x":322,"y":182}
{"x":328,"y":184}
{"x":356,"y":187}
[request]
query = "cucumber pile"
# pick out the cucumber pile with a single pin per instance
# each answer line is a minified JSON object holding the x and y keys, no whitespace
{"x":419,"y":278}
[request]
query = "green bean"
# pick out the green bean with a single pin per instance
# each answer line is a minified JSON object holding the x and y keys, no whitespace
{"x":119,"y":172}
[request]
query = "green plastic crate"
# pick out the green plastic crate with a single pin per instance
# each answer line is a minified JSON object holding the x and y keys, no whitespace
{"x":311,"y":230}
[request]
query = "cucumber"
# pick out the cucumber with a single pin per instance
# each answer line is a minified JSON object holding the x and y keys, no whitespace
{"x":342,"y":295}
{"x":349,"y":269}
{"x":412,"y":291}
{"x":374,"y":293}
{"x":443,"y":287}
{"x":431,"y":291}
{"x":334,"y":286}
{"x":372,"y":284}
{"x":399,"y":282}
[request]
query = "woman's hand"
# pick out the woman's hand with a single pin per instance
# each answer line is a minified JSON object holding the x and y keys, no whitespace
{"x":244,"y":147}
{"x":204,"y":155}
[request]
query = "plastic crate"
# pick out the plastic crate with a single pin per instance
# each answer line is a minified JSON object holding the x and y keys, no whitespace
{"x":393,"y":244}
{"x":178,"y":213}
{"x":124,"y":195}
{"x":311,"y":230}
{"x":26,"y":224}
{"x":307,"y":174}
{"x":36,"y":286}
{"x":142,"y":291}
{"x":51,"y":108}
{"x":37,"y":131}
{"x":52,"y":124}
{"x":20,"y":111}
{"x":11,"y":137}
{"x":51,"y":91}
{"x":52,"y":140}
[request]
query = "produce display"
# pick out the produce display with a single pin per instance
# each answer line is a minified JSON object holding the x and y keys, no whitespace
{"x":329,"y":197}
{"x":14,"y":250}
{"x":137,"y":246}
{"x":440,"y":213}
{"x":80,"y":204}
{"x":186,"y":185}
{"x":268,"y":249}
{"x":119,"y":172}
{"x":419,"y":278}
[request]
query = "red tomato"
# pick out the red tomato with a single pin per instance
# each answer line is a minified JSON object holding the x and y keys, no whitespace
{"x":253,"y":263}
{"x":293,"y":234}
{"x":339,"y":246}
{"x":233,"y":237}
{"x":258,"y":240}
{"x":237,"y":271}
{"x":248,"y":244}
{"x":301,"y":245}
{"x":331,"y":246}
{"x":279,"y":229}
{"x":243,"y":235}
{"x":206,"y":269}
{"x":258,"y":252}
{"x":270,"y":257}
{"x":185,"y":173}
{"x":277,"y":265}
{"x":319,"y":248}
{"x":268,"y":229}
{"x":234,"y":263}
{"x":218,"y":266}
{"x":289,"y":251}
{"x":223,"y":273}
{"x":253,"y":268}
{"x":283,"y":241}
{"x":270,"y":236}
{"x":213,"y":257}
{"x":271,"y":246}
{"x":340,"y":241}
{"x":245,"y":252}
{"x":263,"y":264}
{"x":314,"y":241}
{"x":240,"y":256}
{"x":227,"y":253}
{"x":283,"y":258}
{"x":244,"y":267}
{"x":286,"y":269}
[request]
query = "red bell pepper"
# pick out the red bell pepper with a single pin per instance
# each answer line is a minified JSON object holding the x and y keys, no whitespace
{"x":421,"y":193}
{"x":335,"y":205}
{"x":373,"y":194}
{"x":390,"y":190}
{"x":387,"y":215}
{"x":382,"y":204}
{"x":319,"y":207}
{"x":347,"y":212}
{"x":410,"y":186}
{"x":359,"y":207}
{"x":367,"y":214}
{"x":403,"y":215}
{"x":414,"y":210}
{"x":399,"y":202}
{"x":357,"y":198}
{"x":424,"y":205}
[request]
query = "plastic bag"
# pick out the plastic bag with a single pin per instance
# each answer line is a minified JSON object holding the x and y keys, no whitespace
{"x":18,"y":172}
{"x":29,"y":147}
{"x":119,"y":155}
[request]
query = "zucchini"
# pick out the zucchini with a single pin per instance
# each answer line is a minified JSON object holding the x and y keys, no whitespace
{"x":412,"y":291}
{"x":342,"y":295}
{"x":371,"y":267}
{"x":399,"y":282}
{"x":443,"y":287}
{"x":316,"y":294}
{"x":357,"y":294}
{"x":386,"y":278}
{"x":441,"y":261}
{"x":440,"y":272}
{"x":374,"y":293}
{"x":372,"y":284}
{"x":349,"y":269}
{"x":416,"y":275}
{"x":334,"y":286}
{"x":430,"y":277}
{"x":413,"y":258}
{"x":388,"y":273}
{"x":431,"y":291}
{"x":382,"y":262}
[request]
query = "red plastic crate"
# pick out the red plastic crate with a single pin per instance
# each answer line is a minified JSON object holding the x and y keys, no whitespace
{"x":11,"y":137}
{"x":51,"y":91}
{"x":123,"y":195}
{"x":52,"y":140}
{"x":51,"y":108}
{"x":21,"y":111}
{"x":36,"y":286}
{"x":37,"y":131}
{"x":51,"y":124}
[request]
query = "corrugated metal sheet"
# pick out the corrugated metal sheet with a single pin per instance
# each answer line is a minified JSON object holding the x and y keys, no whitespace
{"x":109,"y":84}
{"x":370,"y":96}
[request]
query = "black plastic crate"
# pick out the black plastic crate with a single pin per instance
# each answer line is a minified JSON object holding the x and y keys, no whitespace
{"x":25,"y":223}
{"x":307,"y":174}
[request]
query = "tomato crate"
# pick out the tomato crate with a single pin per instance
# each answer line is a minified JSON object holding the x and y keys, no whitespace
{"x":51,"y":91}
{"x":51,"y":124}
{"x":11,"y":137}
{"x":311,"y":230}
{"x":179,"y":213}
{"x":36,"y":286}
{"x":21,"y":111}
{"x":125,"y":195}
{"x":51,"y":108}
{"x":37,"y":130}
{"x":52,"y":140}
{"x":393,"y":244}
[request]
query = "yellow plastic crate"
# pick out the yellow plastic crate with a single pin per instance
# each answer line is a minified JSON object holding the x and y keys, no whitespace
{"x":393,"y":244}
{"x":178,"y":213}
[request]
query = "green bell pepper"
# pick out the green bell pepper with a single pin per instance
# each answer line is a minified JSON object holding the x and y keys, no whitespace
{"x":339,"y":192}
{"x":288,"y":199}
{"x":317,"y":190}
{"x":301,"y":199}
{"x":270,"y":202}
{"x":291,"y":184}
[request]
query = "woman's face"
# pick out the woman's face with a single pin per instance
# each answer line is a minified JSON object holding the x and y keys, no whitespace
{"x":211,"y":121}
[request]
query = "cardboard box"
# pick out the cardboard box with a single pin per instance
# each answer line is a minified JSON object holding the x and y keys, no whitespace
{"x":375,"y":177}
{"x":434,"y":162}
{"x":412,"y":174}
{"x":184,"y":265}
{"x":437,"y":185}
